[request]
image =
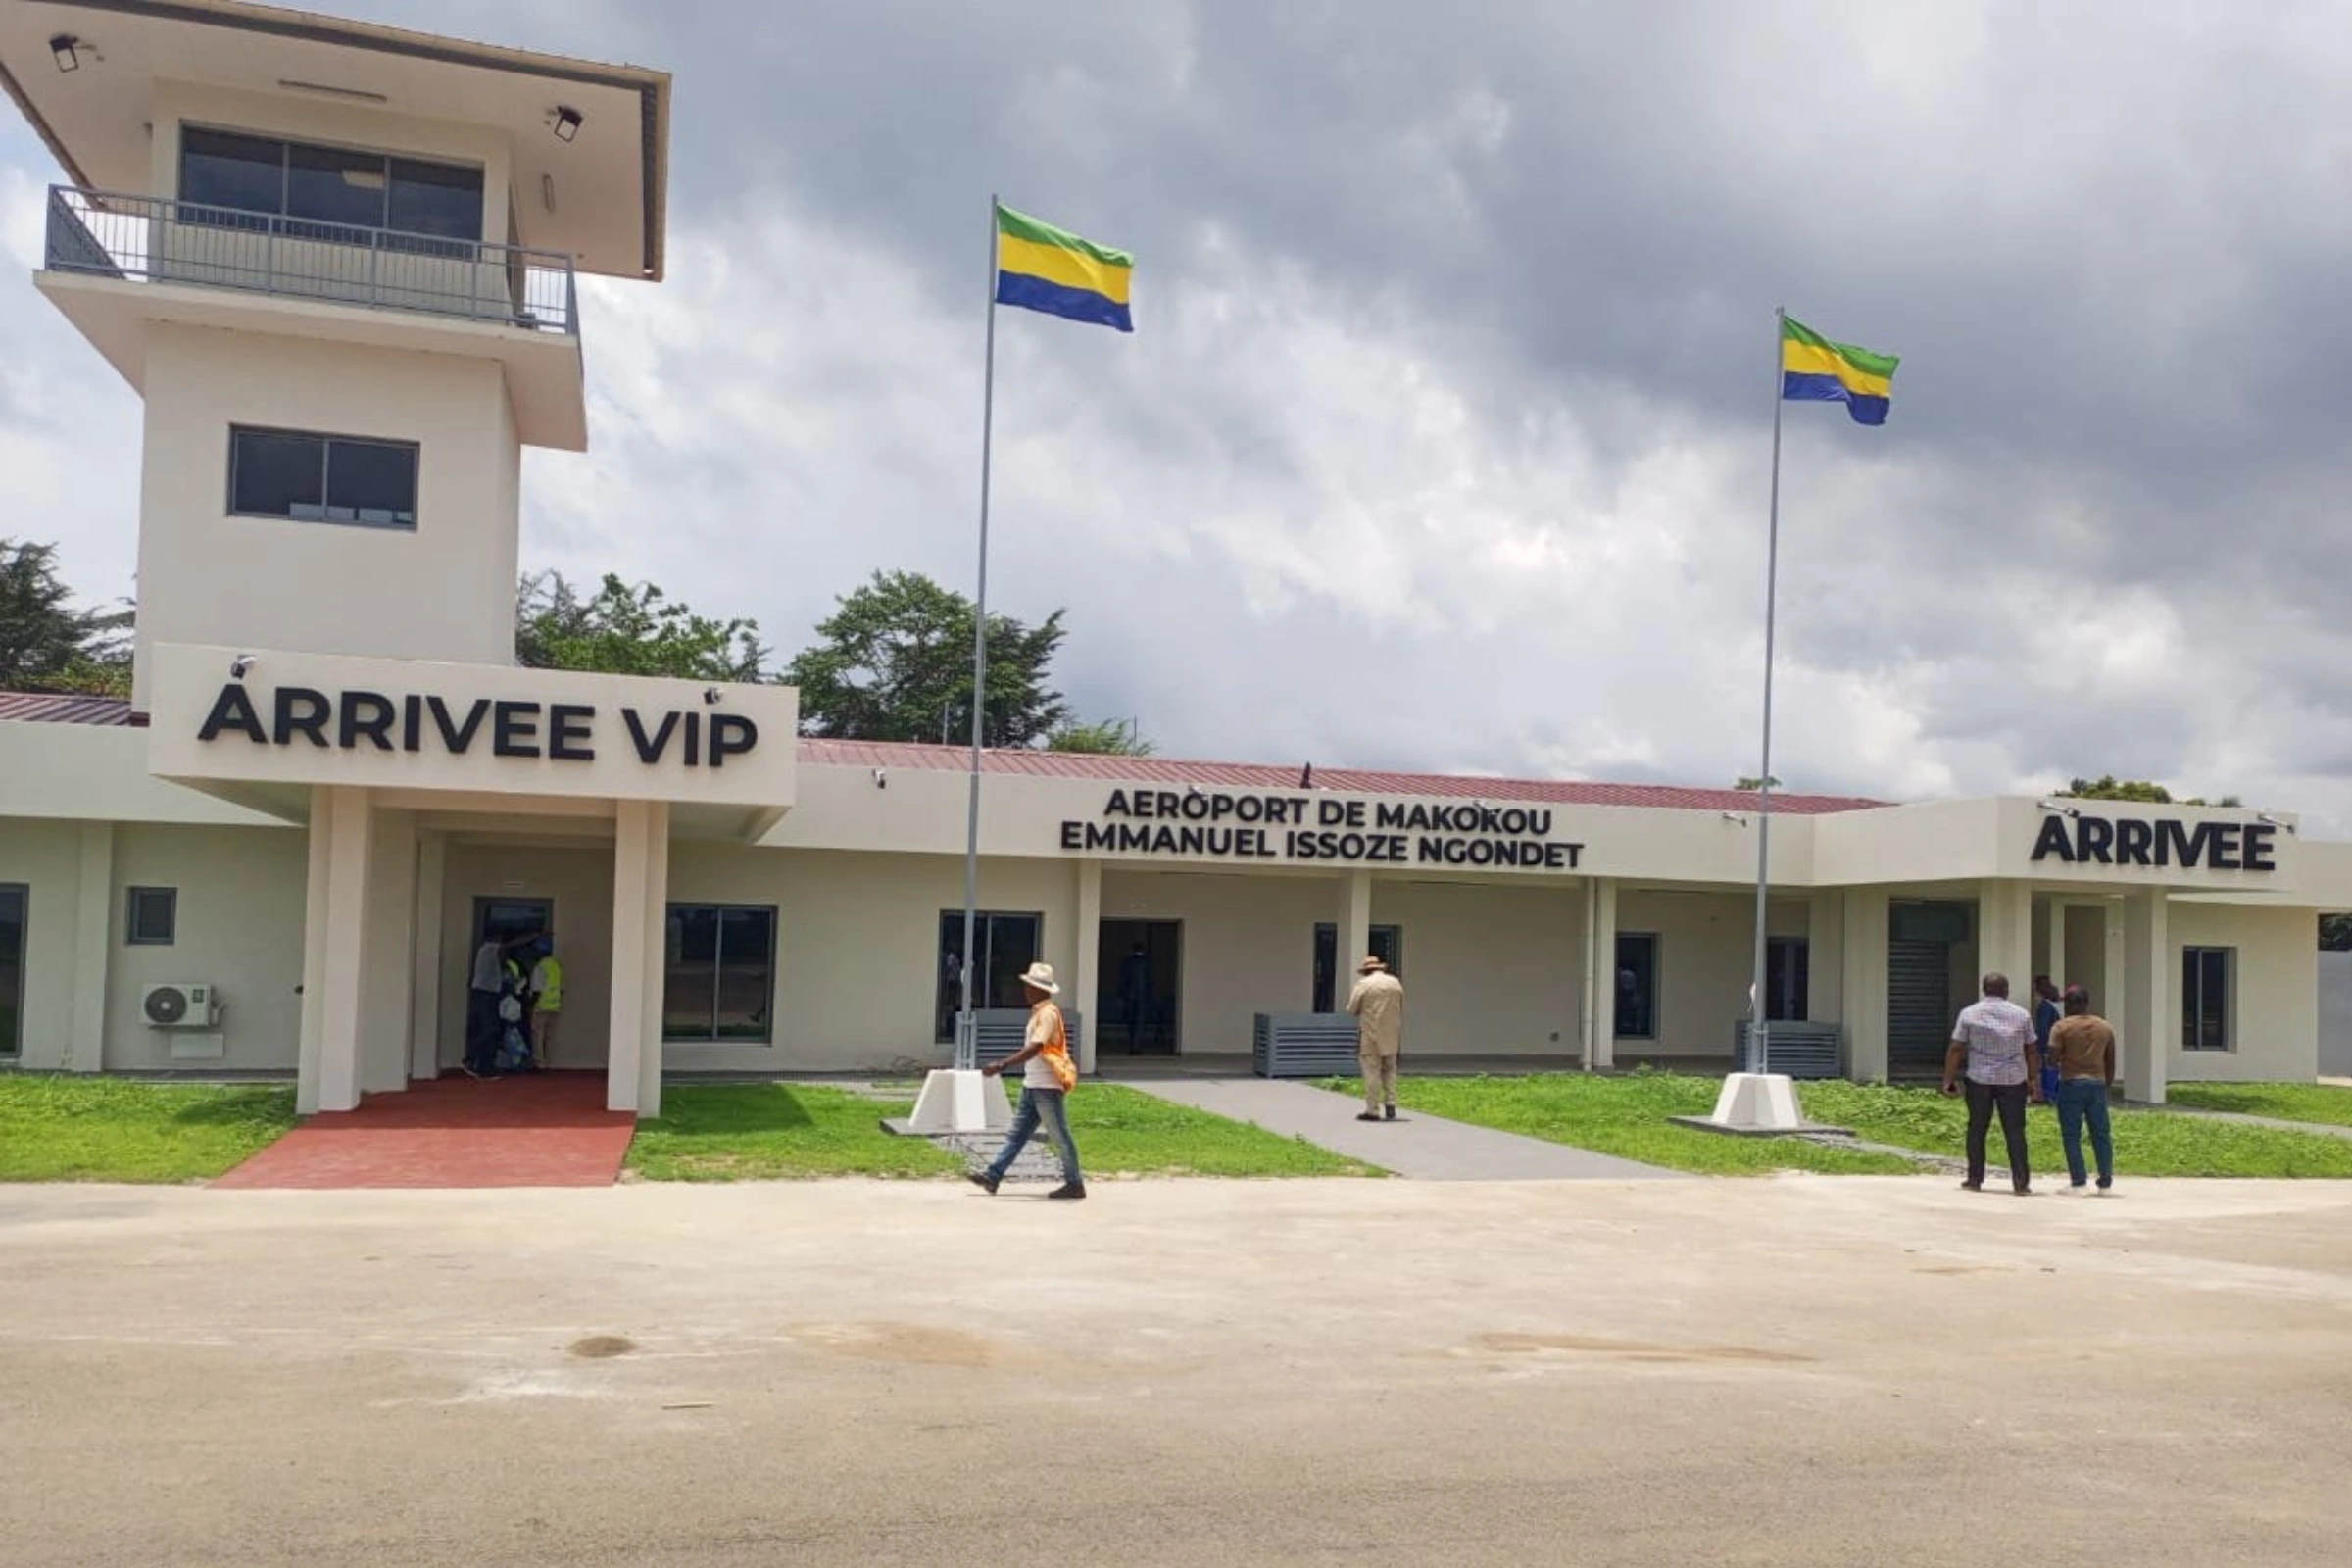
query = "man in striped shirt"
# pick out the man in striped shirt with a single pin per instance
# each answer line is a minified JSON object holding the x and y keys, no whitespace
{"x":1993,"y":1040}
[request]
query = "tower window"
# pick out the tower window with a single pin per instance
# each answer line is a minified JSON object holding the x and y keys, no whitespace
{"x":321,"y":478}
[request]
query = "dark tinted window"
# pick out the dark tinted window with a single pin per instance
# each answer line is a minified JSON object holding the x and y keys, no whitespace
{"x":335,"y":186}
{"x":321,"y":478}
{"x":437,"y":199}
{"x":153,"y":917}
{"x":720,"y":979}
{"x":12,"y":970}
{"x":1637,"y":986}
{"x":222,"y":169}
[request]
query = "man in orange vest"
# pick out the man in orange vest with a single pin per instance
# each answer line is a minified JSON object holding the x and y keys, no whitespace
{"x":1047,"y":1075}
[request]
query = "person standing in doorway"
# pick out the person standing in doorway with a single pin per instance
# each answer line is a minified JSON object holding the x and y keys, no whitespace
{"x":1047,"y":1075}
{"x":1993,"y":1040}
{"x":1135,"y":991}
{"x":547,"y":1001}
{"x":2046,"y":1013}
{"x":1378,"y":1002}
{"x":483,"y":1028}
{"x":2083,"y":1044}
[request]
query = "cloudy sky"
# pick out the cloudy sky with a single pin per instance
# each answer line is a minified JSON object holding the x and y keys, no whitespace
{"x":1444,"y":439}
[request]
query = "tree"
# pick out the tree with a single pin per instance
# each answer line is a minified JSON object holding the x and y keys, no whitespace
{"x":895,"y":664}
{"x":2107,"y":787}
{"x":45,"y":642}
{"x":626,"y":630}
{"x":1115,"y":737}
{"x":2335,"y":933}
{"x":1749,"y":783}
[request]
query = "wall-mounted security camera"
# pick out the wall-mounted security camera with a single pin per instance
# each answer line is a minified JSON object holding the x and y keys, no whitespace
{"x":2059,"y":808}
{"x":2268,"y":820}
{"x":1737,"y":818}
{"x":711,"y":694}
{"x":238,"y":666}
{"x":881,"y":779}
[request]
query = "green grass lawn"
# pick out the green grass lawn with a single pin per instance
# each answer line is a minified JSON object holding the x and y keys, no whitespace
{"x":78,"y":1129}
{"x":745,"y":1132}
{"x":2147,"y":1143}
{"x":1626,"y":1117}
{"x":2323,"y":1102}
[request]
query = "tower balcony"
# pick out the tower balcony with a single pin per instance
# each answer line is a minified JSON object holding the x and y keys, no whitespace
{"x":116,"y":262}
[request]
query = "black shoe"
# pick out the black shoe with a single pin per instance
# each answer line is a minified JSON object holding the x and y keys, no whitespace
{"x":1068,"y":1190}
{"x":1972,"y":1187}
{"x":982,"y":1180}
{"x":1367,"y":1116}
{"x":1392,"y":1115}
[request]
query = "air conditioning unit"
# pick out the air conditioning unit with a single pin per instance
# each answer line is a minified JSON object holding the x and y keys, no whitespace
{"x":180,"y":1005}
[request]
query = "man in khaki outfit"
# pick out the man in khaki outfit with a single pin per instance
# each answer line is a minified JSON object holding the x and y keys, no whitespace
{"x":1378,"y":1002}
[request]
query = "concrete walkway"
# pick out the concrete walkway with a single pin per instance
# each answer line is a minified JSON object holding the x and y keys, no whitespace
{"x":1422,"y":1147}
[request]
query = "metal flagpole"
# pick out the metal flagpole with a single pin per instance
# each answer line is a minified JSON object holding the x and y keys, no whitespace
{"x":967,"y":1043}
{"x":1759,"y":1033}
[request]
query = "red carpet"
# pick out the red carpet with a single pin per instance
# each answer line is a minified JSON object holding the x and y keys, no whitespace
{"x":543,"y":1130}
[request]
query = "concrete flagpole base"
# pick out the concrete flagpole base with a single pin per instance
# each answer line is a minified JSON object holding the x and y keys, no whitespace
{"x":1758,"y":1102}
{"x":960,"y":1100}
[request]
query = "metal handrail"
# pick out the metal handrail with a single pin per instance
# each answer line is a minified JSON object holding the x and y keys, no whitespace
{"x":157,"y":239}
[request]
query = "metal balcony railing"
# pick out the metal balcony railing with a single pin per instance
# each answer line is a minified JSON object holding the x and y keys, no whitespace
{"x":99,"y":234}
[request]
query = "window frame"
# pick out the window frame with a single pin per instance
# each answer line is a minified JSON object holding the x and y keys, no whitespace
{"x":327,"y":441}
{"x":2192,"y":992}
{"x":12,"y":1041}
{"x":1657,"y":948}
{"x":766,"y":1038}
{"x":281,"y":220}
{"x":947,"y":994}
{"x":132,"y":899}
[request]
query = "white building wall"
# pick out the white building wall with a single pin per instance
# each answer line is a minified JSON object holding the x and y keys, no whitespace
{"x":2275,"y":998}
{"x":45,"y":858}
{"x":857,"y":947}
{"x":1706,"y":961}
{"x":1488,"y":970}
{"x":240,"y":927}
{"x":442,"y":591}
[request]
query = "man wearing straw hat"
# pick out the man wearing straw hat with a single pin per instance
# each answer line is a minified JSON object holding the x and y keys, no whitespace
{"x":1047,"y":1075}
{"x":1378,"y":1002}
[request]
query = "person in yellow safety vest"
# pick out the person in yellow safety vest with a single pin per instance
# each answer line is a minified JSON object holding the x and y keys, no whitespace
{"x":547,"y":1003}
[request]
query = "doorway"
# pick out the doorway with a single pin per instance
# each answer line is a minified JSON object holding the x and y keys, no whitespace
{"x":1138,"y":969}
{"x":1388,"y":946}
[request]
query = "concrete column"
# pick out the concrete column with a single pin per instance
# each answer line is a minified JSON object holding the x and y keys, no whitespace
{"x":315,"y":926}
{"x":1355,"y":930}
{"x":1086,"y":994}
{"x":654,"y":962}
{"x":342,"y":1009}
{"x":2113,"y":1003}
{"x":1824,"y":956}
{"x":2147,"y":1047}
{"x":2005,"y":933}
{"x":94,"y":948}
{"x":632,"y":936}
{"x":1598,"y":1025}
{"x":1865,"y":985}
{"x":424,"y":968}
{"x":389,"y":995}
{"x":2053,"y":952}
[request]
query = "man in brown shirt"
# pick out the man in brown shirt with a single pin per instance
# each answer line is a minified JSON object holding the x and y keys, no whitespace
{"x":2082,"y":1048}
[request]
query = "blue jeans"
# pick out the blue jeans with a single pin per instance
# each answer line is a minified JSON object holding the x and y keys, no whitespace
{"x":1037,"y":1106}
{"x":2082,"y":1100}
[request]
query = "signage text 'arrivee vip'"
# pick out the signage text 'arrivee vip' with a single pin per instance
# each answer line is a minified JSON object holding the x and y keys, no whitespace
{"x":562,"y":732}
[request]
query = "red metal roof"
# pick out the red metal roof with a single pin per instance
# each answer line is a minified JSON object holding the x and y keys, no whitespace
{"x":43,"y":708}
{"x":1264,"y":776}
{"x":37,"y":708}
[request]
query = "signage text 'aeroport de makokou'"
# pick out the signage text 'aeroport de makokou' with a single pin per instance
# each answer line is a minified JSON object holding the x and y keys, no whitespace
{"x":1313,"y":827}
{"x":2130,"y":841}
{"x":562,"y":732}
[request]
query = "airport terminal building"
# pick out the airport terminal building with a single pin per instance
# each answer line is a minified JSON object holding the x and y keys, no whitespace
{"x":338,"y":263}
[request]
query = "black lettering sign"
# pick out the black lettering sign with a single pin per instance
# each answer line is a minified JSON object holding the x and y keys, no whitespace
{"x":2135,"y":841}
{"x":566,"y":732}
{"x":514,"y":729}
{"x":1345,"y":832}
{"x":731,"y":735}
{"x":568,"y":737}
{"x":234,"y":710}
